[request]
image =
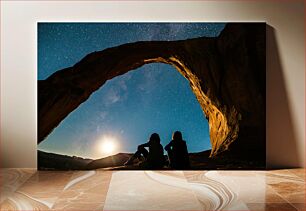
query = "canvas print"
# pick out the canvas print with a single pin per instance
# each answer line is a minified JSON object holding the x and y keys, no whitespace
{"x":151,"y":96}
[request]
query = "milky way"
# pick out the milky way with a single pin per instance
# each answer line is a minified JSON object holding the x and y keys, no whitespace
{"x":153,"y":98}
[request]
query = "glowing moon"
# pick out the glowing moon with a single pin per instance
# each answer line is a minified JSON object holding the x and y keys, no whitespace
{"x":108,"y":145}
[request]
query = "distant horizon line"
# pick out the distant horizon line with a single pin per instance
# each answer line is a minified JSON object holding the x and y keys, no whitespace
{"x":87,"y":158}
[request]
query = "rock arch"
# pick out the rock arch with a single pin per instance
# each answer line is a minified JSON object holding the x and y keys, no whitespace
{"x":226,"y":73}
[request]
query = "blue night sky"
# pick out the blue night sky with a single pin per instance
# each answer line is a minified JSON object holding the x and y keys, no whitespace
{"x":128,"y":108}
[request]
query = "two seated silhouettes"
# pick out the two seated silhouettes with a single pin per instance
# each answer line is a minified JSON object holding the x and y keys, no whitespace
{"x":154,"y":158}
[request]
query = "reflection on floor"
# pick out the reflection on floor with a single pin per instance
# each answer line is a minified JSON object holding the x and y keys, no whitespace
{"x":28,"y":189}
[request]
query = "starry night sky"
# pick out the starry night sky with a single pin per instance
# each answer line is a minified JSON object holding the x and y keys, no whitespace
{"x":153,"y":98}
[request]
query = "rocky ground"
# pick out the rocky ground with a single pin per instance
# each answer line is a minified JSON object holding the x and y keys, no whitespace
{"x":198,"y":161}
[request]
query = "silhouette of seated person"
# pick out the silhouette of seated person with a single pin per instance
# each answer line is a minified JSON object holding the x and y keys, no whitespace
{"x":154,"y":158}
{"x":177,"y":152}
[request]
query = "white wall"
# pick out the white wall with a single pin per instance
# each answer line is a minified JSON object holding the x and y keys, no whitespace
{"x":285,"y":63}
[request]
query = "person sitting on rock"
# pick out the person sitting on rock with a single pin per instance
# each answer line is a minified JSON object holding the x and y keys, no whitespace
{"x":154,"y":158}
{"x":177,"y":152}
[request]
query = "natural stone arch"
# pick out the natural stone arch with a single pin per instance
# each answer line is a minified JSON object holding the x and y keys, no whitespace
{"x":207,"y":63}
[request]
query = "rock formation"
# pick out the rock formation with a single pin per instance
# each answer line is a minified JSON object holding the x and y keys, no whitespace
{"x":226,"y":74}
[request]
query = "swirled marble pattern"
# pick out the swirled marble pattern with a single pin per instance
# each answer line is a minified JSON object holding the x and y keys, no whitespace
{"x":28,"y":189}
{"x":12,"y":179}
{"x":86,"y":191}
{"x":148,"y":190}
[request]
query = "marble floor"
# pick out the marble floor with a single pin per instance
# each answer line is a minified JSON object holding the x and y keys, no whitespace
{"x":28,"y":189}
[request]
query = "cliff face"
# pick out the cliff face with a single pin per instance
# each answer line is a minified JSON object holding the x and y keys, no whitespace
{"x":227,"y":75}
